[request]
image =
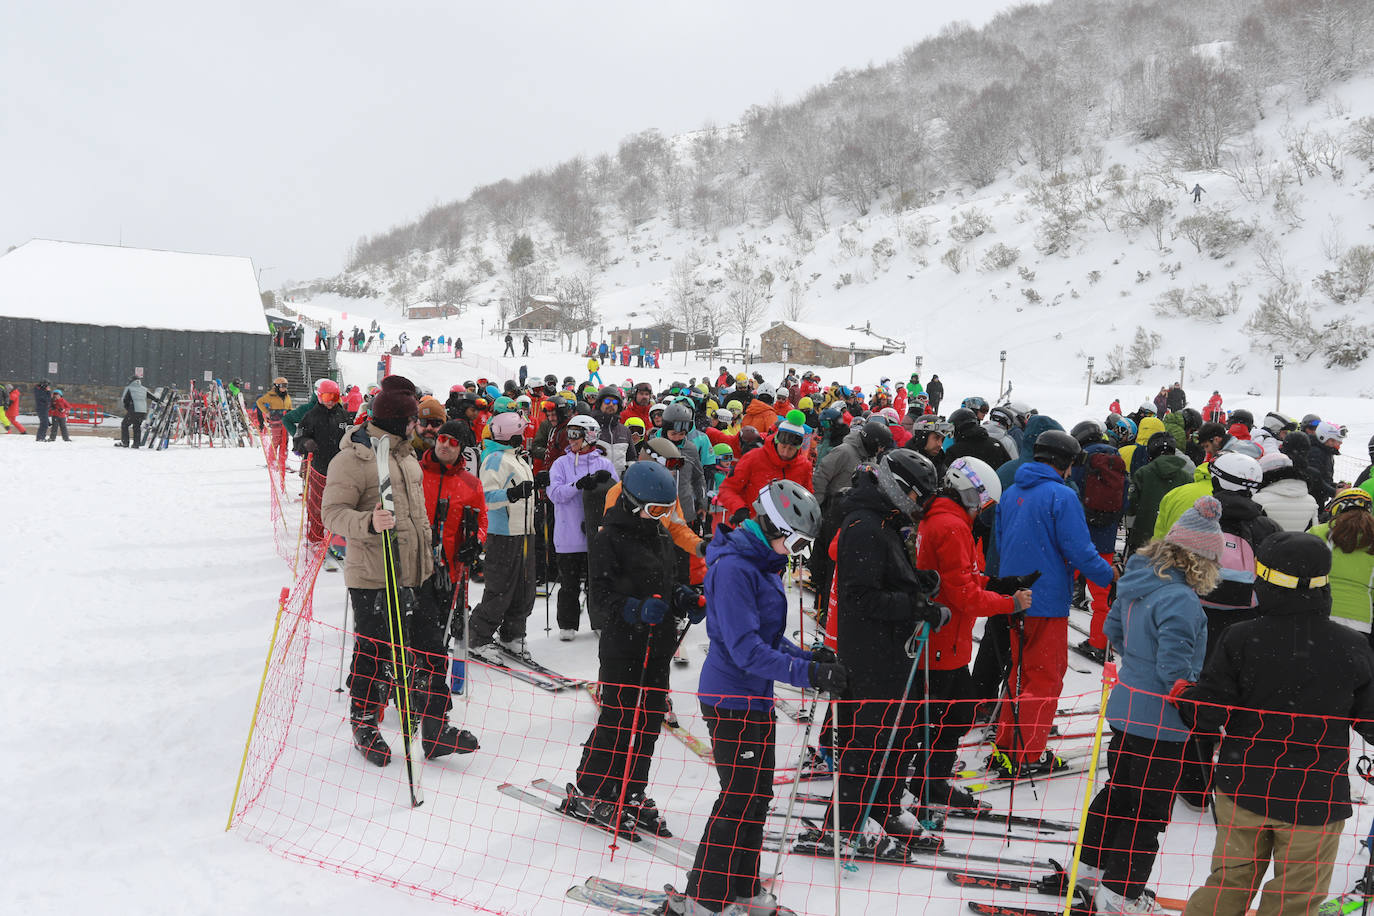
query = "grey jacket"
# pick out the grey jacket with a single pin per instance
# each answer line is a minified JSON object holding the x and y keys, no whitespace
{"x":137,"y":394}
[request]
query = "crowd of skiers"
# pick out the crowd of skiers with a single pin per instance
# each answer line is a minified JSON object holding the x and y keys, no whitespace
{"x":1183,"y":537}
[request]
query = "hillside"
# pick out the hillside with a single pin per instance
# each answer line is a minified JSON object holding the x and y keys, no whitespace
{"x":1055,"y":248}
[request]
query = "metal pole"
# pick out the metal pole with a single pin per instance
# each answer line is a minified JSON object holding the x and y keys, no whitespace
{"x":851,"y":362}
{"x":1088,"y":396}
{"x":1002,"y":382}
{"x":1278,"y":381}
{"x":1181,"y":361}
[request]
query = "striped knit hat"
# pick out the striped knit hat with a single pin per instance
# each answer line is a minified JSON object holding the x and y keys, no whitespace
{"x":1199,"y":529}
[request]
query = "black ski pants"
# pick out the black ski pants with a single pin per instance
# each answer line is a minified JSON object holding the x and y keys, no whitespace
{"x":865,"y":728}
{"x":59,"y":425}
{"x":572,"y":573}
{"x":508,"y":595}
{"x":727,"y":860}
{"x":135,"y":420}
{"x":424,"y":615}
{"x":1132,"y":810}
{"x":952,"y":706}
{"x":607,"y":751}
{"x":993,"y":661}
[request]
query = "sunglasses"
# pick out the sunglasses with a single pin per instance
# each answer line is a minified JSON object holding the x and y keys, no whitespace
{"x":672,"y":464}
{"x":788,"y":438}
{"x":433,"y":424}
{"x":614,"y":402}
{"x":658,"y":510}
{"x":446,"y":439}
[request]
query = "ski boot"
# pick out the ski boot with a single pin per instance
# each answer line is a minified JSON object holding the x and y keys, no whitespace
{"x":761,"y":904}
{"x":516,"y":647}
{"x":907,"y":829}
{"x":943,"y":793}
{"x":1089,"y":651}
{"x":1002,"y":767}
{"x":647,"y":815}
{"x":599,"y":811}
{"x":364,"y":715}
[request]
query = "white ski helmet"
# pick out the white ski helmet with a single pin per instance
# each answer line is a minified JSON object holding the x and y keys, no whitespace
{"x":1236,"y":472}
{"x":975,"y":481}
{"x":589,"y":427}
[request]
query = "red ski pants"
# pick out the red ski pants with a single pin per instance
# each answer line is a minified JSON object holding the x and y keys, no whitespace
{"x":1042,"y":657}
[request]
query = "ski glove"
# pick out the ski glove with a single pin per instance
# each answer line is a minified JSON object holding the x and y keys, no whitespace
{"x":586,"y":482}
{"x":832,"y":678}
{"x":541,"y":480}
{"x":520,"y":491}
{"x":932,"y":615}
{"x":1010,"y":585}
{"x":644,"y":610}
{"x":824,"y":655}
{"x":689,"y":601}
{"x":469,"y":552}
{"x":740,"y":517}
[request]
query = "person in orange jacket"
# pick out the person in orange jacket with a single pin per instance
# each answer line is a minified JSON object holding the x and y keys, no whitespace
{"x":760,"y":413}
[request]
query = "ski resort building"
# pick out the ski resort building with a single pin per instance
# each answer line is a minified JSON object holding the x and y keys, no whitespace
{"x":822,"y":345}
{"x":89,"y":317}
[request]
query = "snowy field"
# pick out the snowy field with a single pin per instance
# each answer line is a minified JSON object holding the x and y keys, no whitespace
{"x":147,"y":586}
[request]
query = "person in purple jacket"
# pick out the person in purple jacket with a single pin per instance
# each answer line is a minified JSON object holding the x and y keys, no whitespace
{"x":584,"y":467}
{"x":746,"y":617}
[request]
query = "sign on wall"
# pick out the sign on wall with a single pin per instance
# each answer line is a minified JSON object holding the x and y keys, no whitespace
{"x":209,"y":376}
{"x":138,"y":372}
{"x":52,"y":368}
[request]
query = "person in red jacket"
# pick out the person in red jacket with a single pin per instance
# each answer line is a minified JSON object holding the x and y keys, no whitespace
{"x":944,"y":543}
{"x":1212,"y":412}
{"x":12,"y":411}
{"x":57,"y":416}
{"x":639,"y":407}
{"x":778,"y":458}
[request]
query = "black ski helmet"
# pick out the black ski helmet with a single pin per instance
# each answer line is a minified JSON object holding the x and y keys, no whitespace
{"x":963,"y":421}
{"x":609,"y":392}
{"x":1192,"y":420}
{"x":551,"y":383}
{"x":648,"y":483}
{"x":875,"y":437}
{"x":1243,"y":416}
{"x":1087,"y":432}
{"x":1057,"y":447}
{"x":902,"y":472}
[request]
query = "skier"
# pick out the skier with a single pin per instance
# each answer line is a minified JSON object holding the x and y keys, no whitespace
{"x":508,"y":594}
{"x":352,"y":506}
{"x":583,"y":467}
{"x":935,"y":391}
{"x":746,"y":620}
{"x":12,"y":410}
{"x":273,"y":405}
{"x":970,"y":438}
{"x":613,"y":434}
{"x":884,"y":618}
{"x":42,"y":400}
{"x":135,"y":401}
{"x":634,"y":589}
{"x":1157,"y":627}
{"x":58,"y":408}
{"x":944,"y":543}
{"x":318,"y":435}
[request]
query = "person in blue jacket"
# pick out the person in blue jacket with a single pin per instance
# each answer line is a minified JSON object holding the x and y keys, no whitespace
{"x":746,"y":619}
{"x":1159,"y":630}
{"x":1040,"y":528}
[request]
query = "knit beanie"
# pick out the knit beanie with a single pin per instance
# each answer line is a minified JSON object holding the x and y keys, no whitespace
{"x":1199,"y":529}
{"x":395,"y":404}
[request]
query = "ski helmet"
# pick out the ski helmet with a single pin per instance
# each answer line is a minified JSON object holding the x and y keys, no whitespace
{"x":974,"y":403}
{"x":507,"y":427}
{"x":1309,"y":421}
{"x":327,"y":387}
{"x":1147,"y":409}
{"x":1057,"y":447}
{"x":766,"y":393}
{"x":1277,"y":423}
{"x":1021,"y":410}
{"x":1326,"y":430}
{"x":932,"y":423}
{"x":1236,"y":472}
{"x":1003,"y":416}
{"x":1120,"y":430}
{"x":1192,"y":420}
{"x":1243,"y":447}
{"x":788,"y":510}
{"x":875,"y":437}
{"x":890,"y":415}
{"x":1243,"y":416}
{"x":1350,"y":498}
{"x":1371,"y":447}
{"x":1087,"y":432}
{"x":725,"y":416}
{"x":551,"y":382}
{"x":963,"y":422}
{"x":975,"y":482}
{"x":902,"y":472}
{"x":588,"y":427}
{"x":649,"y":487}
{"x":678,"y":418}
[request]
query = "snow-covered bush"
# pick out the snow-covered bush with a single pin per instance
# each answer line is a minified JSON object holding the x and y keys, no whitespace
{"x":953,"y":258}
{"x":1200,"y":303}
{"x":967,"y":226}
{"x":1143,"y":348}
{"x":1283,"y":322}
{"x":999,"y":257}
{"x":1353,"y":276}
{"x":1345,"y":343}
{"x":1214,"y":231}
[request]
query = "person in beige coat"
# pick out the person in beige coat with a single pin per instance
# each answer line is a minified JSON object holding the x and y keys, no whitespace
{"x":352,"y":506}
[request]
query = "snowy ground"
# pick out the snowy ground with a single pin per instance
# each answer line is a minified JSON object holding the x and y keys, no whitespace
{"x":152,"y":670}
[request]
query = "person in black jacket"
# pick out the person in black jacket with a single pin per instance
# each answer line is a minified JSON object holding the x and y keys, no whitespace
{"x":1286,"y":687}
{"x":935,"y":391}
{"x":884,"y":602}
{"x":1321,"y":461}
{"x":971,"y":439}
{"x":1176,"y":399}
{"x":634,"y":591}
{"x":42,"y":400}
{"x":318,"y":435}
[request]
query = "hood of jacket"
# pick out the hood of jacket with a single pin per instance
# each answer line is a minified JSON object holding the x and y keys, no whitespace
{"x":1170,"y":465}
{"x":865,"y":495}
{"x":1141,"y":579}
{"x":1037,"y":424}
{"x":1037,"y":474}
{"x":1148,"y":427}
{"x":359,"y":438}
{"x":1237,"y":506}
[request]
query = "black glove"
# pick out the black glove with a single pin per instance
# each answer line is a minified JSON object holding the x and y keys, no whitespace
{"x":931,"y":614}
{"x":520,"y":491}
{"x":602,"y":476}
{"x":306,"y":446}
{"x":740,"y":516}
{"x":469,"y":552}
{"x":541,"y":480}
{"x":644,"y":610}
{"x":1010,"y":585}
{"x":690,"y":603}
{"x":830,"y":677}
{"x":824,"y":655}
{"x":586,"y":482}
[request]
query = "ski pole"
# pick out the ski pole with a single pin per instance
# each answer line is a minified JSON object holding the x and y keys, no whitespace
{"x":343,"y":639}
{"x":916,"y":647}
{"x":630,"y":748}
{"x":796,"y":782}
{"x":1108,"y":680}
{"x":301,"y":534}
{"x":835,"y":791}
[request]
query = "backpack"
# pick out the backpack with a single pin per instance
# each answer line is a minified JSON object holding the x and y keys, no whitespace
{"x":1104,"y":487}
{"x":1236,"y":590}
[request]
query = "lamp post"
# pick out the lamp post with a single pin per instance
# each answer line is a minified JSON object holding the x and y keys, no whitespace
{"x":1088,"y":396}
{"x":786,"y":358}
{"x":851,"y":363}
{"x":1181,"y":361}
{"x":1278,"y":380}
{"x":1002,"y":383}
{"x":919,"y":360}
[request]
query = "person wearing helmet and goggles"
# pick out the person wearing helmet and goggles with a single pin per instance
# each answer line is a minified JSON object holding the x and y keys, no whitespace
{"x":584,"y":473}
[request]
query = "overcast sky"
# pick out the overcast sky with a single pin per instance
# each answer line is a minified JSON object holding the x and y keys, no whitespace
{"x":284,"y":131}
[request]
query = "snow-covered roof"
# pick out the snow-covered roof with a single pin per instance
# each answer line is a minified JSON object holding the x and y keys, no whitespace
{"x":838,"y":338}
{"x":545,"y":300}
{"x":80,"y":283}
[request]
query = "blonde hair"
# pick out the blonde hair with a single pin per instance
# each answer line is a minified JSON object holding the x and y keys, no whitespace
{"x":1201,"y":574}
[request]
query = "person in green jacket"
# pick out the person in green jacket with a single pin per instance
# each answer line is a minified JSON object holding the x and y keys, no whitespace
{"x":296,"y":414}
{"x":1350,"y":535}
{"x":1167,"y":469}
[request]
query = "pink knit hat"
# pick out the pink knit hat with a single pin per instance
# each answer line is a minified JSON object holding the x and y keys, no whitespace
{"x":1199,"y":529}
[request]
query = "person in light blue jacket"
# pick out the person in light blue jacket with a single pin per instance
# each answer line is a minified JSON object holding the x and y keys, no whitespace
{"x":1159,"y":630}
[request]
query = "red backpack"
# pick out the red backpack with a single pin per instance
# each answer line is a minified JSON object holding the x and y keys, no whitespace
{"x":1104,"y":487}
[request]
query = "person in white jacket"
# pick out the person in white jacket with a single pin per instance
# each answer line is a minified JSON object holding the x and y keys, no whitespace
{"x":1283,"y":493}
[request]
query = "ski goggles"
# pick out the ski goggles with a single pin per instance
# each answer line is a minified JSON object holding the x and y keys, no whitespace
{"x":446,"y":439}
{"x":796,"y":543}
{"x":672,"y":464}
{"x":574,"y":434}
{"x":658,"y":510}
{"x":787,"y":437}
{"x":1287,"y":580}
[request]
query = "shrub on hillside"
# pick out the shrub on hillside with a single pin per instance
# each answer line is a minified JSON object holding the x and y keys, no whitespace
{"x":1353,"y":276}
{"x":1345,"y":343}
{"x":999,"y":257}
{"x":1200,"y":303}
{"x":1283,"y":322}
{"x":967,"y":226}
{"x":1214,"y":231}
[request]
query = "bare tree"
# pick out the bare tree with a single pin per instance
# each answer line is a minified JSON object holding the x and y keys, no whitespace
{"x":1204,"y":109}
{"x":745,"y":302}
{"x":578,"y":295}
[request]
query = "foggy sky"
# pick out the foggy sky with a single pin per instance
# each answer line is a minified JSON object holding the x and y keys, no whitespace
{"x":284,"y":131}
